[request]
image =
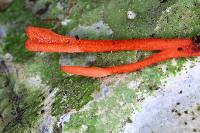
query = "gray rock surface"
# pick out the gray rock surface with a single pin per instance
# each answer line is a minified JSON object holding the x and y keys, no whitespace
{"x":2,"y":32}
{"x":172,"y":109}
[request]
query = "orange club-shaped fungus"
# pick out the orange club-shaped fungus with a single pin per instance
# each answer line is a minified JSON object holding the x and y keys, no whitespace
{"x":45,"y":40}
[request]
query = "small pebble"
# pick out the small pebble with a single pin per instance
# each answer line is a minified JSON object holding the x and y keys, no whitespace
{"x":8,"y":57}
{"x":65,"y":22}
{"x":131,"y":15}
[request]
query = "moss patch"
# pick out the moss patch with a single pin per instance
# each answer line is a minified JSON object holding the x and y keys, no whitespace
{"x":198,"y":108}
{"x":105,"y":115}
{"x":20,"y":105}
{"x":180,"y":20}
{"x":17,"y":17}
{"x":73,"y":91}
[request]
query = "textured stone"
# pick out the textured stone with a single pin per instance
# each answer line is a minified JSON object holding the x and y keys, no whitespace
{"x":173,"y":108}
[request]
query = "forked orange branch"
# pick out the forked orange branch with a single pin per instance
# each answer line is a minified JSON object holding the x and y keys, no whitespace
{"x":44,"y":40}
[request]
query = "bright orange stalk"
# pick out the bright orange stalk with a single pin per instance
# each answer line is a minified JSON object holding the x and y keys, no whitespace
{"x":40,"y":39}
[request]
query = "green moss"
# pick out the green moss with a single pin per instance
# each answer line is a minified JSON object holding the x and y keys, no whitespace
{"x":182,"y":20}
{"x":56,"y":9}
{"x":14,"y":44}
{"x":82,"y":13}
{"x":115,"y":58}
{"x":87,"y":119}
{"x":92,"y":16}
{"x":174,"y":68}
{"x":142,"y":26}
{"x":48,"y":67}
{"x":20,"y":107}
{"x":104,"y":115}
{"x":72,"y":91}
{"x":198,"y":108}
{"x":18,"y":18}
